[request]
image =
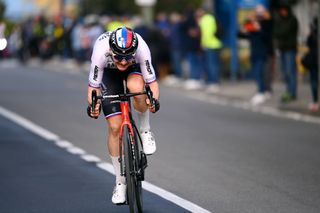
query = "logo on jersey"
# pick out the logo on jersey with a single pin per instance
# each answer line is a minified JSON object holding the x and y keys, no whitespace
{"x":95,"y":73}
{"x":102,"y":37}
{"x":148,"y":67}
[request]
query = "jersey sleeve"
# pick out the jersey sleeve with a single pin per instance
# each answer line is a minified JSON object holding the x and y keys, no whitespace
{"x":143,"y":57}
{"x":98,"y":60}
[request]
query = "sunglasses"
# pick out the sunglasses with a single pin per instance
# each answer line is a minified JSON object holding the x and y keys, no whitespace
{"x":123,"y":57}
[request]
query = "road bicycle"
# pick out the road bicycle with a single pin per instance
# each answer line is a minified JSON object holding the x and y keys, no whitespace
{"x":135,"y":160}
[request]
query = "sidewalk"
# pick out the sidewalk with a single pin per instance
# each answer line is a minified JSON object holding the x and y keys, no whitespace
{"x":244,"y":90}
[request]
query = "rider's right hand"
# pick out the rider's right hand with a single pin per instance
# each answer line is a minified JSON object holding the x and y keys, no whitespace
{"x":94,"y":113}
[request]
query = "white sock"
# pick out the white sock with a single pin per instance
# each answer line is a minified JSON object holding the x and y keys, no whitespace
{"x":143,"y":119}
{"x":116,"y":166}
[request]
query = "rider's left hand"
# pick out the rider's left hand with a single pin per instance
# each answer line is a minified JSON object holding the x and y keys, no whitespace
{"x":154,"y":106}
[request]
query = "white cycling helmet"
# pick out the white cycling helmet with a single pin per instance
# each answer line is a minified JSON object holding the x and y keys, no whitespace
{"x":123,"y":41}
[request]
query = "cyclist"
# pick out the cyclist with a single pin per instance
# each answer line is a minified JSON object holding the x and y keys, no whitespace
{"x":120,"y":54}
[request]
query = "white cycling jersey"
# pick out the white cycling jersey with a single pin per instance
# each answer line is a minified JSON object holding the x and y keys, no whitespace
{"x":102,"y":58}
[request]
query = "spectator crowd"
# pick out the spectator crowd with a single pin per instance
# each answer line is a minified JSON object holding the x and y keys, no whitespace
{"x":186,"y":47}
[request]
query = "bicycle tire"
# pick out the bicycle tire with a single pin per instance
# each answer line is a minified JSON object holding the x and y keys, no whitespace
{"x":138,"y":166}
{"x":130,"y":173}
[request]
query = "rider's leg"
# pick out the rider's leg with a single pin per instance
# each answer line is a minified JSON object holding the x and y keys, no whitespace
{"x":135,"y":83}
{"x":119,"y":192}
{"x":113,"y":145}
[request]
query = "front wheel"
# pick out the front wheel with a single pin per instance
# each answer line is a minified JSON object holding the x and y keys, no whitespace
{"x":131,"y":159}
{"x":139,"y":168}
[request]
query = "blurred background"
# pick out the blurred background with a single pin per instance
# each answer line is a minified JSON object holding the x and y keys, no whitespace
{"x":45,"y":29}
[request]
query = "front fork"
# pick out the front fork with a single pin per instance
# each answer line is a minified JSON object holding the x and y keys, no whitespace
{"x":126,"y":120}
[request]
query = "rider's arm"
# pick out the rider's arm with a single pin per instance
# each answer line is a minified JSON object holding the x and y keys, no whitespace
{"x":154,"y":104}
{"x":143,"y":57}
{"x":95,"y":77}
{"x":98,"y":61}
{"x":154,"y":86}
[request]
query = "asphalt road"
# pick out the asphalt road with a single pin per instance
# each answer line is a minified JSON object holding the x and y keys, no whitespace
{"x":38,"y":176}
{"x":222,"y":158}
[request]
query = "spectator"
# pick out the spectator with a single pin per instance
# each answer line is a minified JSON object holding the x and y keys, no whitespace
{"x":161,"y":36}
{"x":86,"y":42}
{"x":3,"y":40}
{"x":162,"y":23}
{"x":68,"y":24}
{"x":191,"y":40}
{"x":258,"y":29}
{"x":25,"y":35}
{"x":38,"y":34}
{"x":176,"y":52}
{"x":310,"y":61}
{"x":14,"y":41}
{"x":115,"y":23}
{"x":58,"y":33}
{"x":211,"y":46}
{"x":77,"y":34}
{"x":141,"y":27}
{"x":94,"y":29}
{"x":285,"y":34}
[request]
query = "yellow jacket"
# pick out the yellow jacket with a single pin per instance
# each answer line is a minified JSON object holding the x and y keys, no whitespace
{"x":208,"y":27}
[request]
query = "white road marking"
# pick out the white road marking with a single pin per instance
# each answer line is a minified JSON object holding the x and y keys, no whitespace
{"x":90,"y":158}
{"x":46,"y":134}
{"x":106,"y":166}
{"x":76,"y":151}
{"x":38,"y":130}
{"x":63,"y":144}
{"x":173,"y":198}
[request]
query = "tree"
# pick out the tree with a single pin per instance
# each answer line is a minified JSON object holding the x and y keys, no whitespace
{"x":129,"y":7}
{"x":277,"y":3}
{"x":177,"y":5}
{"x":107,"y":7}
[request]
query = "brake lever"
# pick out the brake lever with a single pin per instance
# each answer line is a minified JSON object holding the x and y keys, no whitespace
{"x":154,"y":103}
{"x":90,"y":109}
{"x":93,"y":100}
{"x":149,"y":92}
